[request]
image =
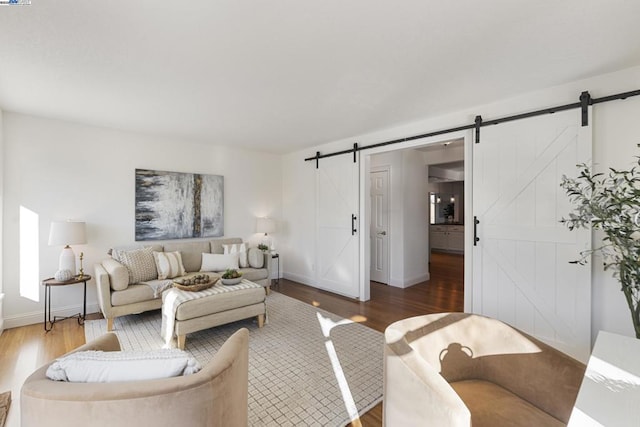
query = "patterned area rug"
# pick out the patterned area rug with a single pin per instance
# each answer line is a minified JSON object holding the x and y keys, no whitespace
{"x":293,"y":379}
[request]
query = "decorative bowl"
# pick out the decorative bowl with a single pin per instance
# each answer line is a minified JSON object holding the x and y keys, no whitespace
{"x":234,"y":281}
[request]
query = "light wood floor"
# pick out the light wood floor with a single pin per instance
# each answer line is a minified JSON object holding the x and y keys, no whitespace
{"x":23,"y":350}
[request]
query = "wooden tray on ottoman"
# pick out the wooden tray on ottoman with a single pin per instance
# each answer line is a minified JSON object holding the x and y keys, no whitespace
{"x":196,"y":287}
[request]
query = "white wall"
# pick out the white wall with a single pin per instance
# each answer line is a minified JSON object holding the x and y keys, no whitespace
{"x":297,"y":235}
{"x":64,"y":170}
{"x":615,"y":139}
{"x":416,"y":219}
{"x":451,"y":153}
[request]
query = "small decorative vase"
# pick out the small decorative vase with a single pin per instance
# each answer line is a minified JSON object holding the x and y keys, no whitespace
{"x":63,"y":275}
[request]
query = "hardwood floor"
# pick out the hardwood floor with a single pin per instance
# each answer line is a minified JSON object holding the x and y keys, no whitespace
{"x":23,"y":350}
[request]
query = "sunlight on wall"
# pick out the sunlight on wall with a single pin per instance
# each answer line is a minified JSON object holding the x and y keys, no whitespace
{"x":29,"y":255}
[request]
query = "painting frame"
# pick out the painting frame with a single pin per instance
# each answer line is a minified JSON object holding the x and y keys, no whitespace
{"x":178,"y":205}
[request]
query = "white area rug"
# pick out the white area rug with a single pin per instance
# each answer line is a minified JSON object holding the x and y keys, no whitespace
{"x":291,"y":378}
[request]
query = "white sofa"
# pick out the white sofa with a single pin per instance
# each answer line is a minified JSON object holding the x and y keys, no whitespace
{"x":138,"y":297}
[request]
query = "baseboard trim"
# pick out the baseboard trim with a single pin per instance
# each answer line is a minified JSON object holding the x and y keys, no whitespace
{"x":32,"y":318}
{"x":305,"y":280}
{"x":416,"y":280}
{"x":406,"y":283}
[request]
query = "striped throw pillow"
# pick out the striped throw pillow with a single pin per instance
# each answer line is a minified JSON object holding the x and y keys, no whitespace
{"x":241,"y":250}
{"x":169,"y":265}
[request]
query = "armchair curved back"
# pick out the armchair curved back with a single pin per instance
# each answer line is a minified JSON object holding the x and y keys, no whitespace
{"x":215,"y":396}
{"x":438,"y":349}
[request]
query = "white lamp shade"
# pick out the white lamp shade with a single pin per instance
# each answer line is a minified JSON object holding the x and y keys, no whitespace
{"x":265,"y":225}
{"x":64,"y":233}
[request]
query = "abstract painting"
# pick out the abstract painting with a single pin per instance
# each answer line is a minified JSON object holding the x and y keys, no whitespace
{"x":175,"y":205}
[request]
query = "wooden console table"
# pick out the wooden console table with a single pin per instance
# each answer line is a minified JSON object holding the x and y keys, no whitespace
{"x":48,"y":283}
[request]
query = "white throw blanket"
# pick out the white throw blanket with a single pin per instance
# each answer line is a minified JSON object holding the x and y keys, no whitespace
{"x":173,"y":297}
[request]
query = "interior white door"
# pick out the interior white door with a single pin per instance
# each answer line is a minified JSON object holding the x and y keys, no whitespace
{"x":521,"y":270}
{"x":379,"y":228}
{"x":337,"y":220}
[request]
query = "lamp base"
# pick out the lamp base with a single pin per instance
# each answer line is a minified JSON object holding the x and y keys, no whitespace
{"x":67,"y":260}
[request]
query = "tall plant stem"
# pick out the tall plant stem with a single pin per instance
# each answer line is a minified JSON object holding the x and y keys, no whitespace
{"x":635,"y":309}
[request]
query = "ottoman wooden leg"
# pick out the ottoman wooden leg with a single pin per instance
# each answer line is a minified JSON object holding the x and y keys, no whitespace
{"x":181,"y":341}
{"x":260,"y":320}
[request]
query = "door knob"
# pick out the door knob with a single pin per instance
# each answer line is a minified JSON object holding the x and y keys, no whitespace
{"x":382,"y":233}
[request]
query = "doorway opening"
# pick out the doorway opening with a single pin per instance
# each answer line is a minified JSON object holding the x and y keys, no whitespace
{"x":404,"y":186}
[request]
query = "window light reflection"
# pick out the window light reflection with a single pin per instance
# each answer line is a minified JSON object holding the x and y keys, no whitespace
{"x":326,"y":325}
{"x":29,"y":255}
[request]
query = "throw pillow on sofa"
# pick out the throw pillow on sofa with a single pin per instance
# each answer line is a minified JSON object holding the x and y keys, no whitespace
{"x":139,"y":262}
{"x":219,"y":262}
{"x":256,"y":258}
{"x":241,"y":250}
{"x":112,"y":366}
{"x":168,"y":265}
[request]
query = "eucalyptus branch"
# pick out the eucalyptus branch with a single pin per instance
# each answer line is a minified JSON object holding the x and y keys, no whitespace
{"x":610,"y":202}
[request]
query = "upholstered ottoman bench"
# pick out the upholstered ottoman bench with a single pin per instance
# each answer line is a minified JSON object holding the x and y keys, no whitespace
{"x":184,"y":312}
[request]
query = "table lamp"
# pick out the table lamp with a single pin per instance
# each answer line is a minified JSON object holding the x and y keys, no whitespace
{"x":67,"y":233}
{"x":266,"y":226}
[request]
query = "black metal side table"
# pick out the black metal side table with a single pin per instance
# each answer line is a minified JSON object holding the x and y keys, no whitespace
{"x":48,"y":283}
{"x":277,"y":258}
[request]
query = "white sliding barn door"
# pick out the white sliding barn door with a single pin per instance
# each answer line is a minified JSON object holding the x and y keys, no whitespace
{"x":337,"y":212}
{"x":521,"y":270}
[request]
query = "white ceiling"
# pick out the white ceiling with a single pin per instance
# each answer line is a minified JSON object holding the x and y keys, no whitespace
{"x":282,"y":75}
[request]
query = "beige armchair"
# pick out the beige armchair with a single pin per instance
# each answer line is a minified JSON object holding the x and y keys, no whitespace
{"x":215,"y":396}
{"x":457,"y":369}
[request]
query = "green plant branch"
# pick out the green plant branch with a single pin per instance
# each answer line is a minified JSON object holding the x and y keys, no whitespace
{"x":610,"y":202}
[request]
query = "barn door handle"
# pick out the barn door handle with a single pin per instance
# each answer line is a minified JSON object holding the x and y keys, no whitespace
{"x":476,"y":239}
{"x":353,"y":225}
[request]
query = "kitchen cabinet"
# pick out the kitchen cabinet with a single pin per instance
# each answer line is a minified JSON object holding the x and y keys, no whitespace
{"x":447,"y":237}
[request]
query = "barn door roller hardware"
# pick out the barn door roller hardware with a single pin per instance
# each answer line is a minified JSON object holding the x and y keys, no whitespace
{"x":584,"y":101}
{"x":478,"y":124}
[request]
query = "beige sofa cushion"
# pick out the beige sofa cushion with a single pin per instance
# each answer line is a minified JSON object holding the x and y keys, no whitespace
{"x":219,"y":303}
{"x":118,"y":274}
{"x":133,"y":294}
{"x":254,"y":274}
{"x":191,"y":253}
